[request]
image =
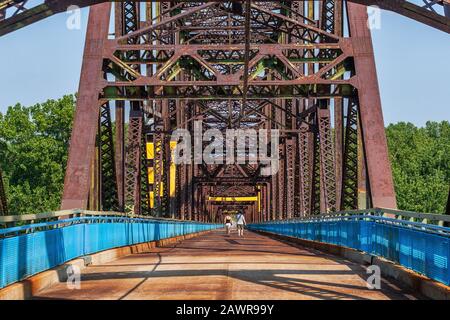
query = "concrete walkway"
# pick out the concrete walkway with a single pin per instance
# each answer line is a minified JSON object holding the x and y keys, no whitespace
{"x":217,"y":266}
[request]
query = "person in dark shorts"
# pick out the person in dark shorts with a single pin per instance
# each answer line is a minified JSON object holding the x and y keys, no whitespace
{"x":240,"y":222}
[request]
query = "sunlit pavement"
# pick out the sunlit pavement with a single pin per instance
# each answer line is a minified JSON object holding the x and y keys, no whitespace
{"x":217,"y":266}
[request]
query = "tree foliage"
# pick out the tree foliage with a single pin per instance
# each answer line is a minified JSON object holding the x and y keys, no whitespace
{"x":33,"y":153}
{"x":420,"y":159}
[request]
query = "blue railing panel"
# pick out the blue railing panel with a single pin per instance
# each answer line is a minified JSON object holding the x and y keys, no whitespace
{"x":31,"y":253}
{"x":425,"y":252}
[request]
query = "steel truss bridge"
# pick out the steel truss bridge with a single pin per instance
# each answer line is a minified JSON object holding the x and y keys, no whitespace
{"x":286,"y":65}
{"x":303,"y":68}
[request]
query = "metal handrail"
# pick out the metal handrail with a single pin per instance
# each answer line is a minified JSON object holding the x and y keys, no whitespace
{"x":28,"y":228}
{"x":12,"y":220}
{"x":392,"y":213}
{"x":374,"y":215}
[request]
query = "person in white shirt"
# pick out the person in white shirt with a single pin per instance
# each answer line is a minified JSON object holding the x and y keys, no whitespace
{"x":240,"y":222}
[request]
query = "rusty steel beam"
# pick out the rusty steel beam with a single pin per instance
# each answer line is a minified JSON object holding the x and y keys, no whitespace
{"x":305,"y":173}
{"x":119,"y":141}
{"x":82,"y":143}
{"x":424,"y":13}
{"x":290,"y":177}
{"x":136,"y":185}
{"x":109,"y":198}
{"x":265,"y":67}
{"x":20,"y":18}
{"x":316,"y":201}
{"x":374,"y":138}
{"x":133,"y":162}
{"x":281,"y":183}
{"x":327,"y":168}
{"x":144,"y":185}
{"x":119,"y":144}
{"x":349,"y":196}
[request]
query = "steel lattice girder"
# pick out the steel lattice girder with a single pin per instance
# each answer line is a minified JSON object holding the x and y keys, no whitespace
{"x":82,"y":144}
{"x":108,"y":182}
{"x":160,"y":62}
{"x":349,"y":197}
{"x":133,"y":162}
{"x":327,"y":169}
{"x":290,"y":177}
{"x":204,"y":63}
{"x":17,"y":14}
{"x":218,"y":73}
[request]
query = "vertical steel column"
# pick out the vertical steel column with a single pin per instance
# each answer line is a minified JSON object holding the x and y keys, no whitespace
{"x":158,"y":167}
{"x":133,"y":162}
{"x":275,"y":195}
{"x":119,"y":120}
{"x":144,"y":187}
{"x":181,"y":168}
{"x":190,"y":203}
{"x":375,"y":145}
{"x":290,"y":177}
{"x":339,"y":148}
{"x":338,"y":111}
{"x":94,"y":188}
{"x":327,"y":169}
{"x":349,"y":196}
{"x":305,"y":151}
{"x":168,"y":201}
{"x":281,"y":182}
{"x":82,"y":144}
{"x":316,"y":204}
{"x":268,"y":202}
{"x":108,"y":183}
{"x":120,"y":152}
{"x":264,"y":202}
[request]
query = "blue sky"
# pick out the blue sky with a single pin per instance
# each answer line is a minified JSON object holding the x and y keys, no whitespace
{"x":43,"y":61}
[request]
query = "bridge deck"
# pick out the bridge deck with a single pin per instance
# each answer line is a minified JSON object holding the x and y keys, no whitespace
{"x":215,"y":266}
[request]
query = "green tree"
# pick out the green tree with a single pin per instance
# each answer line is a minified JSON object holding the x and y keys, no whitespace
{"x":420,"y":159}
{"x":33,"y":153}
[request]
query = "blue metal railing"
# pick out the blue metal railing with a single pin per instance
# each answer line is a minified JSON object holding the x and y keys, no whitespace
{"x":417,"y":246}
{"x":33,"y":248}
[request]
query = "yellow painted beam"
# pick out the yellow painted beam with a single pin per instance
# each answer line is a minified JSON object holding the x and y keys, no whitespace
{"x":151,"y":172}
{"x":232,"y":199}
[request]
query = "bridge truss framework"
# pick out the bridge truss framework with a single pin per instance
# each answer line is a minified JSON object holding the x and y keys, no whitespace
{"x":305,"y":68}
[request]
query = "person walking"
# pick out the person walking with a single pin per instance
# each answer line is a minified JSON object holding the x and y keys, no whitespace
{"x":227,"y":222}
{"x":240,"y":222}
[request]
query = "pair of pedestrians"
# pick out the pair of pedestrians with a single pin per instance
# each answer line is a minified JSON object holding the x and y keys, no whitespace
{"x":240,"y":222}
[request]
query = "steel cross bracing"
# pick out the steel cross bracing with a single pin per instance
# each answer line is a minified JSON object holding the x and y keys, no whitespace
{"x":233,"y":65}
{"x":192,"y":61}
{"x":15,"y":14}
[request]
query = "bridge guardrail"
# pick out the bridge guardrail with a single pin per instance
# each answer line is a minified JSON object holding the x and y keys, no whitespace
{"x":421,"y":247}
{"x":13,"y":220}
{"x":425,"y":218}
{"x":35,"y":247}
